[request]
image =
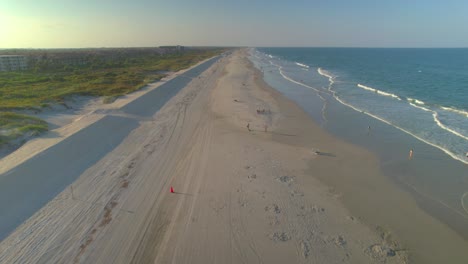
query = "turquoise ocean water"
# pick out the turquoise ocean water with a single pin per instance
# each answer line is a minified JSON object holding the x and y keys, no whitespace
{"x":423,"y":92}
{"x":411,"y":98}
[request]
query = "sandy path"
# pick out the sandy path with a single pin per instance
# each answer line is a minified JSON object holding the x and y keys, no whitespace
{"x":241,"y":197}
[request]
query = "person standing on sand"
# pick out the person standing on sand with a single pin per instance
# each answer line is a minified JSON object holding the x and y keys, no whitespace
{"x":368,"y":130}
{"x":266,"y":128}
{"x":248,"y":126}
{"x":410,"y":154}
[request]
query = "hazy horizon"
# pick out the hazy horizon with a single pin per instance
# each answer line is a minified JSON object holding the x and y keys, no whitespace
{"x":115,"y":24}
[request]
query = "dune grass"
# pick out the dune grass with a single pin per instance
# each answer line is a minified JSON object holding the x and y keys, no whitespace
{"x":35,"y":89}
{"x":48,"y":83}
{"x":14,"y":126}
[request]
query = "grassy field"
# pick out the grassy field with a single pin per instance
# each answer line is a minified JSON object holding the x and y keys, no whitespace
{"x":47,"y":84}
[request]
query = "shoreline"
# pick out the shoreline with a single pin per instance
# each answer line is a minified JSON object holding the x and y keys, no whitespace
{"x":389,"y":204}
{"x":291,"y":194}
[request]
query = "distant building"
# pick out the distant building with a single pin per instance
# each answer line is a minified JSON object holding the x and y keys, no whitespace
{"x":13,"y":63}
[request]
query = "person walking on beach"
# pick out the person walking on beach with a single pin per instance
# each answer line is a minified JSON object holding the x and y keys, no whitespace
{"x":248,"y":126}
{"x":410,"y":154}
{"x":266,"y":128}
{"x":368,"y":130}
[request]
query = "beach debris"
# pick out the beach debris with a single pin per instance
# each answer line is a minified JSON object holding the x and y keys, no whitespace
{"x":253,"y":176}
{"x":172,"y":190}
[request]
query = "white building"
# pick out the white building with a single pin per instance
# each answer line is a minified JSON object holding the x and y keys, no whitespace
{"x":13,"y":63}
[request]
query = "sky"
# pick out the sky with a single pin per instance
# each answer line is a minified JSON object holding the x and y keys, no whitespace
{"x":255,"y":23}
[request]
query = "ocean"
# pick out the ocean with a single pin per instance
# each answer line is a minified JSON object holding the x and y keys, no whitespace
{"x":389,"y":101}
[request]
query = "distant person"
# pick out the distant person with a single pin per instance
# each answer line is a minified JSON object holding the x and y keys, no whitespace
{"x":410,"y":154}
{"x":368,"y":130}
{"x":266,"y":127}
{"x":466,"y":155}
{"x":248,"y":126}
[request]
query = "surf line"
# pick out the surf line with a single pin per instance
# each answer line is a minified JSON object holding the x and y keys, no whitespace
{"x":320,"y":71}
{"x":318,"y":92}
{"x":439,"y":201}
{"x":379,"y":92}
{"x":435,"y":116}
{"x":463,"y":202}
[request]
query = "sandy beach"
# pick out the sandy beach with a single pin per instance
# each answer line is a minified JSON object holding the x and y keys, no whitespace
{"x":279,"y":193}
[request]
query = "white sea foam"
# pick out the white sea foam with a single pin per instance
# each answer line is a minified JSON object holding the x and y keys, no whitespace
{"x":416,"y":101}
{"x":413,"y":102}
{"x":448,"y":152}
{"x":435,"y":117}
{"x":325,"y":73}
{"x":302,"y":65}
{"x":451,"y":109}
{"x":378,"y":91}
{"x":420,"y":107}
{"x":280,"y":69}
{"x":271,"y":57}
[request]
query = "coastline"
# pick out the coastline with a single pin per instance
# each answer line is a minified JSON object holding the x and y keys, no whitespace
{"x":291,"y":194}
{"x":380,"y":200}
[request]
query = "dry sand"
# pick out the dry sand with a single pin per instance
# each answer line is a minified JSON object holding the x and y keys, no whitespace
{"x":241,"y":197}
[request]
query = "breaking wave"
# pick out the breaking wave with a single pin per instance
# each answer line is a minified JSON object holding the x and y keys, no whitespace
{"x":378,"y":91}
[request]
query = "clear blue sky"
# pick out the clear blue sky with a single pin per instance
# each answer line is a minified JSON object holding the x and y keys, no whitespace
{"x":345,"y":23}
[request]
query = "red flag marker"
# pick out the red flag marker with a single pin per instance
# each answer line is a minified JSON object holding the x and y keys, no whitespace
{"x":172,"y":190}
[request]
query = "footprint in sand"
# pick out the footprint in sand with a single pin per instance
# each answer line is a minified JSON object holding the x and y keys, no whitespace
{"x":252,"y":177}
{"x":124,"y":184}
{"x":317,"y":209}
{"x":296,"y":193}
{"x":131,"y":165}
{"x":280,"y":236}
{"x":380,"y":252}
{"x":339,"y":241}
{"x":305,"y":248}
{"x":286,"y":179}
{"x":273,"y":208}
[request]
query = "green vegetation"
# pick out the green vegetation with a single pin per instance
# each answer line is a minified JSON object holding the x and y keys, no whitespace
{"x":48,"y":83}
{"x":100,"y":72}
{"x":13,"y":126}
